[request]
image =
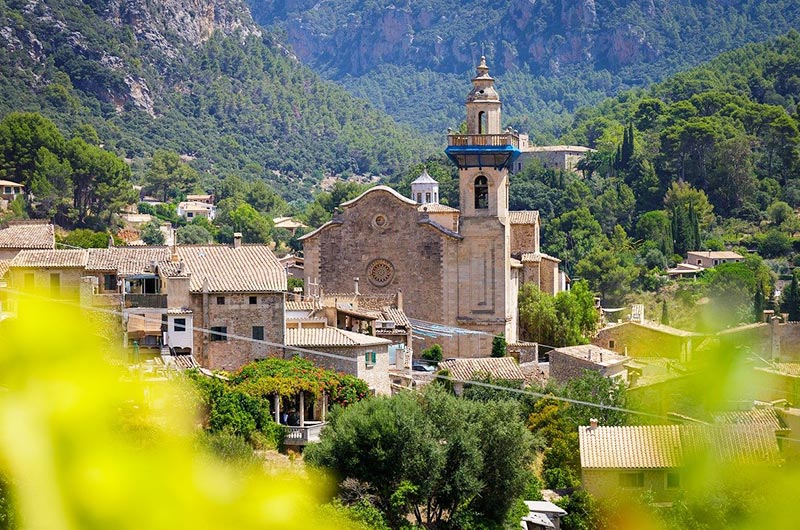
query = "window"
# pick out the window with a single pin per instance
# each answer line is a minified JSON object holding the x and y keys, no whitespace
{"x":428,"y":197}
{"x":8,"y":190}
{"x":673,"y":480}
{"x":419,"y":197}
{"x":179,"y":324}
{"x":481,"y":193}
{"x":29,"y":281}
{"x":258,"y":332}
{"x":189,"y":214}
{"x":220,"y":300}
{"x":109,"y":282}
{"x":611,"y":344}
{"x":55,"y":285}
{"x":435,"y":197}
{"x":370,"y":358}
{"x":482,"y":122}
{"x":219,"y":334}
{"x":253,"y":300}
{"x":631,"y":480}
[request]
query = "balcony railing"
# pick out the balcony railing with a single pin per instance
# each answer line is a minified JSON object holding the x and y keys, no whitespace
{"x":484,"y":140}
{"x":304,"y":435}
{"x":146,"y":300}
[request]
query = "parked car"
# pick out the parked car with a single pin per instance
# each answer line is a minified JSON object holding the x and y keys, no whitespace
{"x":421,"y":367}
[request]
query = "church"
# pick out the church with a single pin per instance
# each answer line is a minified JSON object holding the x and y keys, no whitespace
{"x":454,"y":267}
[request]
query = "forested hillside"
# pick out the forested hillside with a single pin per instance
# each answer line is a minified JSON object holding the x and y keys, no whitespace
{"x":552,"y":56}
{"x":707,"y":160}
{"x":198,"y":78}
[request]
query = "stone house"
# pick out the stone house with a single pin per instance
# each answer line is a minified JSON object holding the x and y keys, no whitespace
{"x":461,"y":371}
{"x":570,"y":362}
{"x":364,"y":356}
{"x":235,"y":292}
{"x":52,"y":273}
{"x":648,"y":339}
{"x":26,"y":235}
{"x":459,"y":268}
{"x":564,"y":157}
{"x":711,"y":258}
{"x":631,"y":460}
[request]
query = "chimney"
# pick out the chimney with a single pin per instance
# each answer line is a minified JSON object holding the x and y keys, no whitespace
{"x":400,"y":299}
{"x":592,"y":424}
{"x":237,"y":239}
{"x":355,"y":285}
{"x":768,"y":314}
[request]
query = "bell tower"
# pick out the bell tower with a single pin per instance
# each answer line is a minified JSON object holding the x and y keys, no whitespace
{"x":486,"y":299}
{"x":485,"y":154}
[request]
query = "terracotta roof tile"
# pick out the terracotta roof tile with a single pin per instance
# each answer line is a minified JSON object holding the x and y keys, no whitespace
{"x":757,"y":416}
{"x":125,"y":260}
{"x":497,"y":367}
{"x":248,"y":268}
{"x":329,"y":336}
{"x":51,"y":259}
{"x":592,"y":353}
{"x":669,"y":446}
{"x":4,"y":264}
{"x":536,"y":257}
{"x":303,"y":305}
{"x":523,"y":217}
{"x":28,"y":236}
{"x":435,"y":207}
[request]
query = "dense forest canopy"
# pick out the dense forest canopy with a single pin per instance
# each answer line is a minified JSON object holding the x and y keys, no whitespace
{"x":234,"y":102}
{"x":553,"y":57}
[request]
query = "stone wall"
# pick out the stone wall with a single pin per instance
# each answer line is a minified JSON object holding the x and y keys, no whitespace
{"x":640,"y":341}
{"x":70,"y":281}
{"x":381,"y":227}
{"x":239,"y":316}
{"x":375,"y":375}
{"x":564,"y":368}
{"x":524,"y":238}
{"x":605,"y":484}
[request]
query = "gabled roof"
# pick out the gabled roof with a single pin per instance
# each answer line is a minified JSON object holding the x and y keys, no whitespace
{"x":593,"y":354}
{"x":28,"y":236}
{"x":330,"y":336}
{"x":714,"y":254}
{"x":497,"y":367}
{"x":225,"y":269}
{"x":523,"y":217}
{"x":125,"y":260}
{"x":51,"y":259}
{"x":4,"y":263}
{"x":670,"y":446}
{"x":765,"y":416}
{"x":435,"y":207}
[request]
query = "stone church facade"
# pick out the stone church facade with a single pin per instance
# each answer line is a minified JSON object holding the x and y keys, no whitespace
{"x":459,"y":268}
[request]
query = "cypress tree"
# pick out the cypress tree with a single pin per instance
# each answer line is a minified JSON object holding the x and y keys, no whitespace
{"x":664,"y":313}
{"x":758,"y":303}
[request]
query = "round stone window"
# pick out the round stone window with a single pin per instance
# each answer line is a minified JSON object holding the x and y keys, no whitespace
{"x":380,"y":221}
{"x":380,"y":272}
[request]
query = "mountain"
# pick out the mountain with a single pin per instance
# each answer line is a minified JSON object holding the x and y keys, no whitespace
{"x":551,"y":56}
{"x":199,"y":77}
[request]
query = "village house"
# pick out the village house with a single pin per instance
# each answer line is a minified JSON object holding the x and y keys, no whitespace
{"x":644,"y":338}
{"x":8,"y":192}
{"x":630,"y":461}
{"x":497,"y":369}
{"x":358,"y":354}
{"x":26,"y":235}
{"x":204,"y":198}
{"x":559,"y":157}
{"x":294,"y":266}
{"x":460,"y":268}
{"x":289,"y":224}
{"x":570,"y":362}
{"x":192,"y":209}
{"x":708,"y":259}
